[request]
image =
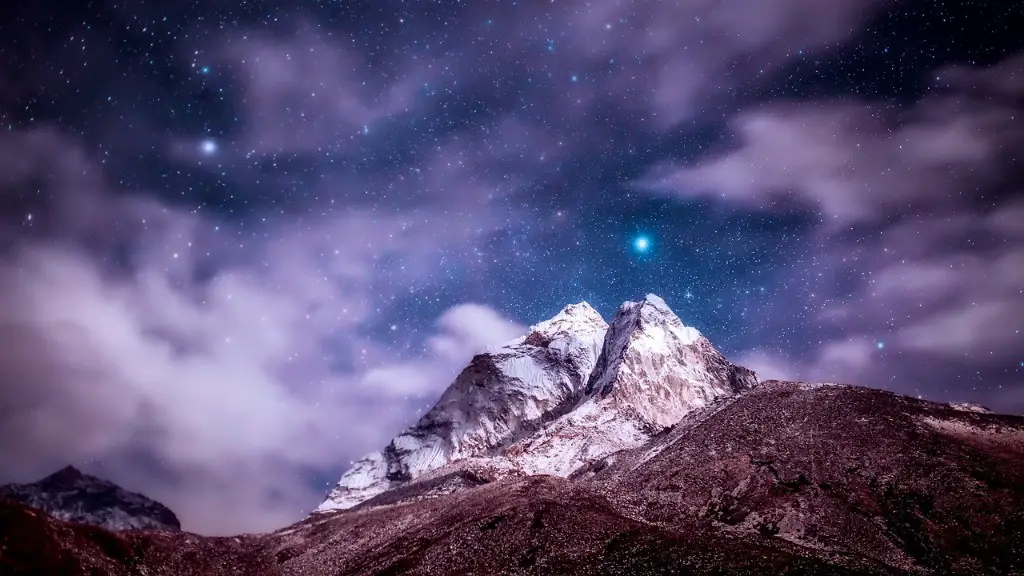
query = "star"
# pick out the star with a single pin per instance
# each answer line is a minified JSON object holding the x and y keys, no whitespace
{"x":208,"y":147}
{"x":880,"y":345}
{"x":642,"y":244}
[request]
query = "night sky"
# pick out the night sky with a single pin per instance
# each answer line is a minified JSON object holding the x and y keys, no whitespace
{"x":243,"y":243}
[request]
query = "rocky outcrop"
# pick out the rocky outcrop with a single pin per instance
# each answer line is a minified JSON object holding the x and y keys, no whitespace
{"x":71,"y":495}
{"x":657,"y":369}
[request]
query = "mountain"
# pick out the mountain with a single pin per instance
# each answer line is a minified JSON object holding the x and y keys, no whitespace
{"x":625,"y":448}
{"x":570,"y":391}
{"x":76,"y":497}
{"x":909,"y":483}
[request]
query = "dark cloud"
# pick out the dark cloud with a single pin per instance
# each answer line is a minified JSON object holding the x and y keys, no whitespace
{"x":663,"y":59}
{"x":854,"y":161}
{"x":304,"y":92}
{"x":216,"y":375}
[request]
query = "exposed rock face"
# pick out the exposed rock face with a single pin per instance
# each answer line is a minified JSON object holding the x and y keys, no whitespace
{"x":657,"y":369}
{"x":569,"y":392}
{"x":787,"y":478}
{"x":969,"y":407}
{"x":70,"y":495}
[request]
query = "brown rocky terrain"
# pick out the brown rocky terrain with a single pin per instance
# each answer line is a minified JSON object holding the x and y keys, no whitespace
{"x":787,"y":478}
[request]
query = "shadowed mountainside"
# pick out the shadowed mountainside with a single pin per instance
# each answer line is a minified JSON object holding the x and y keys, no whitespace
{"x":70,"y":495}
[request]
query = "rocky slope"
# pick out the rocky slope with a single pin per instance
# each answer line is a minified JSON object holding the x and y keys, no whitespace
{"x":787,"y":478}
{"x":70,"y":495}
{"x":909,"y":483}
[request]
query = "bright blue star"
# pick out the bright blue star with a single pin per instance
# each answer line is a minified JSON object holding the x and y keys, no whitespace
{"x":642,"y":243}
{"x":205,"y":69}
{"x":880,"y":345}
{"x":208,"y":147}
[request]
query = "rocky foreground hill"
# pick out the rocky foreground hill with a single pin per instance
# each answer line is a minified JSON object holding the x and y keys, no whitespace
{"x":629,"y":448}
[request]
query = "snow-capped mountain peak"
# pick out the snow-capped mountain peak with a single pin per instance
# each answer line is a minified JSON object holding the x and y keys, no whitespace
{"x":658,"y":369}
{"x":570,"y":391}
{"x":652,"y":371}
{"x":574,"y":321}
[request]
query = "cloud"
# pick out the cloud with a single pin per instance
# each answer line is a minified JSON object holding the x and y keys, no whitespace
{"x":471,"y":323}
{"x":304,"y":91}
{"x":200,"y":364}
{"x":769,"y":365}
{"x":855,"y":162}
{"x":931,"y":313}
{"x":463,"y":330}
{"x":914,"y":275}
{"x":979,"y":328}
{"x":663,"y":58}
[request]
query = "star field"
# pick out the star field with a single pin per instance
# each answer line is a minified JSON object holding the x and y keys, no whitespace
{"x":247,"y":227}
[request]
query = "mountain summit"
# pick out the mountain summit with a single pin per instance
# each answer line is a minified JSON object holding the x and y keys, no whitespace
{"x":658,"y":369}
{"x":570,"y":391}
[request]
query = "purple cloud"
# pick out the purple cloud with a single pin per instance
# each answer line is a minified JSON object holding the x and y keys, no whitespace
{"x":306,"y":91}
{"x":859,"y":162}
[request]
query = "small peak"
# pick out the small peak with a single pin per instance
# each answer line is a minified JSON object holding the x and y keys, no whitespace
{"x":656,"y":301}
{"x":66,"y":475}
{"x":582,"y":308}
{"x":651,"y":313}
{"x":651,"y":310}
{"x":572,"y":318}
